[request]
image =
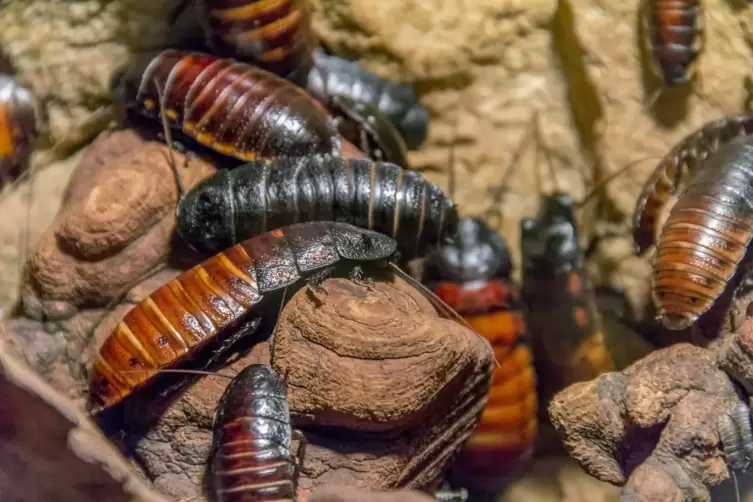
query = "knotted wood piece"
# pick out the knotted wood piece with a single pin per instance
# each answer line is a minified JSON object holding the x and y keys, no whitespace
{"x":652,"y":428}
{"x":403,"y":386}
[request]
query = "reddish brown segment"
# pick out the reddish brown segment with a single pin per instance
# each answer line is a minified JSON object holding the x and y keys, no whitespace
{"x":508,"y":424}
{"x":674,"y":31}
{"x":682,"y":161}
{"x":705,"y":237}
{"x":211,"y":298}
{"x":252,"y":456}
{"x":238,"y":110}
{"x":275,"y":34}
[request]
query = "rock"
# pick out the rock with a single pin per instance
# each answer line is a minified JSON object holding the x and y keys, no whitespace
{"x":653,"y":426}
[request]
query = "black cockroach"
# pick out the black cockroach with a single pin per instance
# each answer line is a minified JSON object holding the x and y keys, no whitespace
{"x":274,"y":34}
{"x":237,"y":110}
{"x":731,"y":439}
{"x":252,"y":455}
{"x":233,"y":205}
{"x":18,"y":127}
{"x":367,"y":127}
{"x":220,"y":294}
{"x":333,"y":76}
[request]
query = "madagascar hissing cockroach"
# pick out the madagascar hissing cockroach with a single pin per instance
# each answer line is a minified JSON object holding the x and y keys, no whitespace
{"x":472,"y":275}
{"x":233,"y":205}
{"x":706,"y":235}
{"x":274,"y":34}
{"x":237,"y":110}
{"x":367,"y":127}
{"x":333,"y":76}
{"x":252,"y":457}
{"x":18,"y":127}
{"x":673,"y":33}
{"x":223,"y":292}
{"x":562,"y":317}
{"x":683,"y":160}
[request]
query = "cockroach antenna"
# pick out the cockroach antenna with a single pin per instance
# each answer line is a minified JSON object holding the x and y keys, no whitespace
{"x":169,"y":139}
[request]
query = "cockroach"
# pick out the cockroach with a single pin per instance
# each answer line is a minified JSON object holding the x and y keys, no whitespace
{"x":674,"y":33}
{"x":233,"y":205}
{"x":371,"y":130}
{"x":252,"y":455}
{"x":472,"y":275}
{"x":333,"y":76}
{"x":274,"y":34}
{"x":235,"y":109}
{"x":220,"y":294}
{"x":706,"y":235}
{"x":562,"y":316}
{"x":732,"y":443}
{"x":685,"y":159}
{"x":18,"y":127}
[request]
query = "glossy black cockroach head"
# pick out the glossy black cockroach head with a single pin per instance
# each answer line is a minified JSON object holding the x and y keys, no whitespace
{"x":476,"y":253}
{"x":549,"y":242}
{"x":360,"y":244}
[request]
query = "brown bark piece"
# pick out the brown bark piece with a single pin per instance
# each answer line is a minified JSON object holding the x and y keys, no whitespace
{"x":403,"y":386}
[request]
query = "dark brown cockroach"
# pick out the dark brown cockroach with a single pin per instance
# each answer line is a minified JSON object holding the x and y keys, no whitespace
{"x":237,"y":110}
{"x":18,"y":127}
{"x":732,"y":442}
{"x":233,"y":205}
{"x":674,"y":37}
{"x":252,"y":457}
{"x":333,"y":76}
{"x":705,"y":237}
{"x":221,"y":293}
{"x":562,"y":315}
{"x":367,"y":127}
{"x":682,"y":161}
{"x":274,"y":34}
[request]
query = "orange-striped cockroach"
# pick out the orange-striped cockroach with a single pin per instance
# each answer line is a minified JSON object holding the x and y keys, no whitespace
{"x":274,"y":34}
{"x":237,"y":110}
{"x":472,"y":275}
{"x":707,"y":233}
{"x":222,"y":293}
{"x":18,"y":127}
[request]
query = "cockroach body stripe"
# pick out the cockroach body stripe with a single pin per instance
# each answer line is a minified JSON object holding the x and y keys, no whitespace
{"x":252,"y":456}
{"x":182,"y":316}
{"x":18,"y":127}
{"x":674,"y":37}
{"x":472,"y":275}
{"x":233,"y":205}
{"x":705,"y":237}
{"x":682,"y":161}
{"x":237,"y":110}
{"x":274,"y":34}
{"x":562,"y":316}
{"x":731,"y":442}
{"x":333,"y":76}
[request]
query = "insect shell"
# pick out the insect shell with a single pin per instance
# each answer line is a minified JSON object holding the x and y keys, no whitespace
{"x":367,"y":127}
{"x":236,"y":204}
{"x":216,"y":296}
{"x":705,"y":237}
{"x":562,"y":316}
{"x":18,"y":127}
{"x":237,"y":110}
{"x":333,"y":76}
{"x":252,"y":457}
{"x":674,"y":32}
{"x":684,"y":160}
{"x":274,"y":34}
{"x":472,"y":275}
